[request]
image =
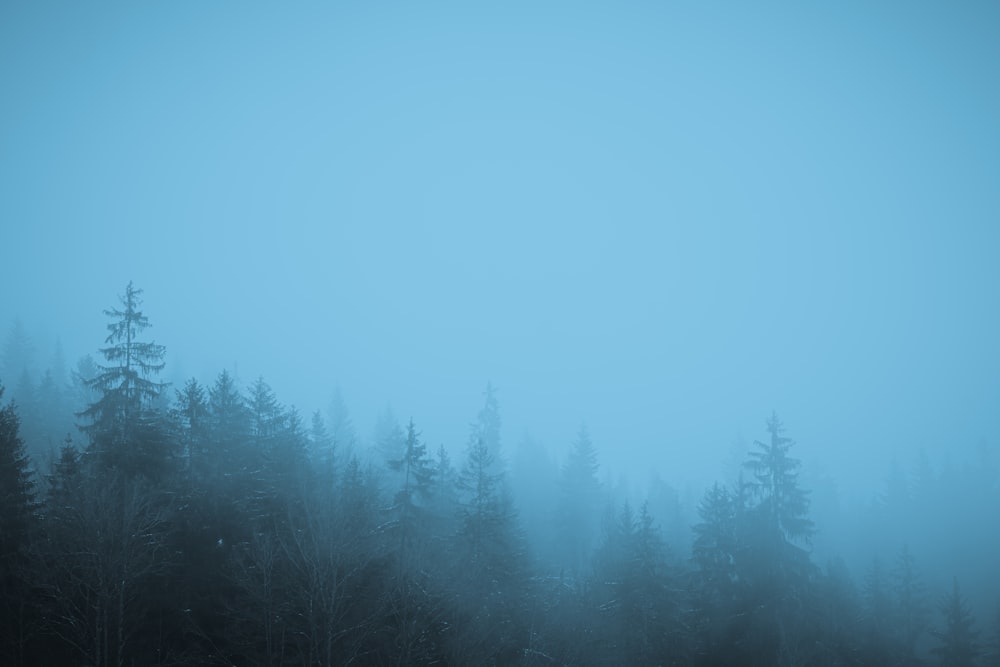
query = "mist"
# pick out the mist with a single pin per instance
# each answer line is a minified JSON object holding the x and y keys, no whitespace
{"x":621,"y":242}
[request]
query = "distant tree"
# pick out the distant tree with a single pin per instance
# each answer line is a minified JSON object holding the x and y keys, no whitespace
{"x":910,"y":605}
{"x":414,"y":609}
{"x":877,"y":608}
{"x":577,"y":515}
{"x":723,"y":583}
{"x":266,"y":414}
{"x":389,"y":442}
{"x":191,"y":410}
{"x":123,"y":428}
{"x":534,"y":484}
{"x":29,"y":411}
{"x":322,"y":449}
{"x":18,"y":353}
{"x":716,"y":546}
{"x":81,"y":394}
{"x":958,"y":641}
{"x":64,"y":480}
{"x":638,"y":608}
{"x":993,"y":650}
{"x":490,"y":579}
{"x":52,"y":411}
{"x":339,"y":423}
{"x":782,"y":503}
{"x":482,"y":508}
{"x":487,"y":427}
{"x":445,"y":501}
{"x":410,"y":502}
{"x":228,"y":425}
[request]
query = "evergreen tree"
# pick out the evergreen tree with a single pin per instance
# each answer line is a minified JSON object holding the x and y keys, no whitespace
{"x":879,"y":642}
{"x":191,"y":410}
{"x":715,"y":549}
{"x":577,"y":511}
{"x":489,"y":581}
{"x":958,"y":641}
{"x":18,"y":353}
{"x":411,"y":499}
{"x":782,"y":504}
{"x":389,"y":443}
{"x":322,"y":447}
{"x":17,"y":487}
{"x":17,"y":515}
{"x":910,"y":605}
{"x":993,"y":650}
{"x":229,"y":427}
{"x":122,"y":428}
{"x":487,"y":427}
{"x":340,"y":425}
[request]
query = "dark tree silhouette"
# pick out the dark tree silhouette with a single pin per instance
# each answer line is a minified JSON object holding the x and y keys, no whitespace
{"x":124,"y":431}
{"x":17,"y":517}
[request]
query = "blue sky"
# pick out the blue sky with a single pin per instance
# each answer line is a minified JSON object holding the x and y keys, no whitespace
{"x":664,"y":219}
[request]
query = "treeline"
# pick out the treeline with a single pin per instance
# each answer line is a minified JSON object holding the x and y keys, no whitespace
{"x":212,"y":525}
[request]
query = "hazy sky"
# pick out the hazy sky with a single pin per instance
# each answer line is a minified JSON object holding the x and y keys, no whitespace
{"x":661,"y":218}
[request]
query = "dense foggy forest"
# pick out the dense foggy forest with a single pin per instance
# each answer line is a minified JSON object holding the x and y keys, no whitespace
{"x":147,"y":524}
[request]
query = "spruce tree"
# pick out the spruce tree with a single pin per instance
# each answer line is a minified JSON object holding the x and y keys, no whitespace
{"x":958,"y":642}
{"x":17,"y":488}
{"x":782,"y":503}
{"x":577,"y":512}
{"x":910,"y":604}
{"x":411,"y":499}
{"x":121,"y":421}
{"x":17,"y":514}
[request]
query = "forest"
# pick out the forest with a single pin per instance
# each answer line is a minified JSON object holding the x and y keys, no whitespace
{"x":209,"y":524}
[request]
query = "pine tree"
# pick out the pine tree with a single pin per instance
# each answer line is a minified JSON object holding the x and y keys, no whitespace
{"x":340,"y":425}
{"x":877,"y":606}
{"x":993,"y":652}
{"x":18,"y":353}
{"x":229,"y":427}
{"x":715,"y":543}
{"x":191,"y":410}
{"x":17,"y":488}
{"x":910,"y":604}
{"x":577,"y":512}
{"x":958,"y":645}
{"x":121,"y":420}
{"x":482,"y":509}
{"x":17,"y":516}
{"x":410,"y":501}
{"x":489,"y":575}
{"x":322,"y":448}
{"x":487,"y":427}
{"x":783,"y":505}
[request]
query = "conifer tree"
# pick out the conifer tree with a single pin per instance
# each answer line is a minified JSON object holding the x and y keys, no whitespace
{"x":17,"y":488}
{"x":577,"y":511}
{"x":410,"y":501}
{"x":121,"y":424}
{"x":17,"y":515}
{"x":958,"y":642}
{"x":910,"y":604}
{"x":191,"y":410}
{"x":782,"y":503}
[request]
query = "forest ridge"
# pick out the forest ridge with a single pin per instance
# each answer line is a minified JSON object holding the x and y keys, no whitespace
{"x":212,"y":525}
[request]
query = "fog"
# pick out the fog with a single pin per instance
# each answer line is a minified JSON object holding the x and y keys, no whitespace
{"x":660,"y":221}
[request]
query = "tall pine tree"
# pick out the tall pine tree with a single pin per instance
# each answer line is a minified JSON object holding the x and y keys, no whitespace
{"x":124,"y":430}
